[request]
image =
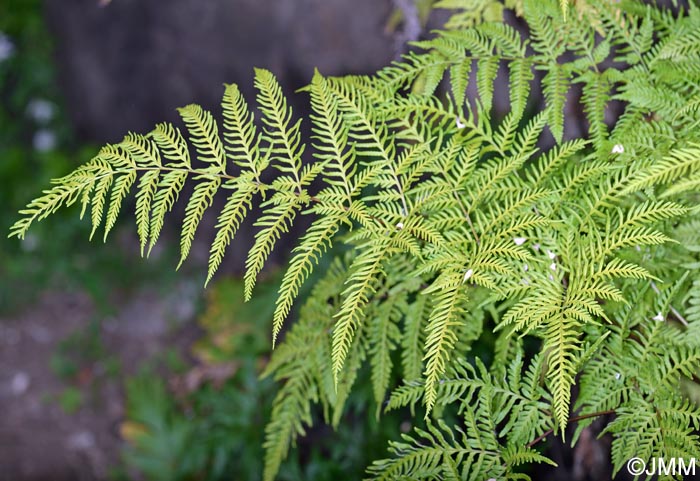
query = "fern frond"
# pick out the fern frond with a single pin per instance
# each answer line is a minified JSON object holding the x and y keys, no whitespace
{"x":166,"y":195}
{"x":485,"y":76}
{"x":365,"y":271}
{"x":678,"y":163}
{"x":201,"y":199}
{"x":172,"y":145}
{"x":301,"y":363}
{"x":452,"y":221}
{"x":384,"y":335}
{"x":412,"y":339}
{"x":275,"y":222}
{"x":229,"y":220}
{"x":555,"y":86}
{"x":316,"y":240}
{"x":283,"y":136}
{"x":100,"y":195}
{"x":240,"y":134}
{"x":204,"y":136}
{"x":521,"y":76}
{"x":441,"y":334}
{"x":148,"y":185}
{"x":121,"y":189}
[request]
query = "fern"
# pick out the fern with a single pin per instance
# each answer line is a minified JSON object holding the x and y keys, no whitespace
{"x":455,"y":219}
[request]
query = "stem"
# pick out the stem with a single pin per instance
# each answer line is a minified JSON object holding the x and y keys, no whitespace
{"x":466,"y":215}
{"x":673,"y":309}
{"x":542,"y":436}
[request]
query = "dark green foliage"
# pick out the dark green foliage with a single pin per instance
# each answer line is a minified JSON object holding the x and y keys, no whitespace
{"x":36,"y":145}
{"x":215,"y":434}
{"x":456,"y":221}
{"x":214,"y":430}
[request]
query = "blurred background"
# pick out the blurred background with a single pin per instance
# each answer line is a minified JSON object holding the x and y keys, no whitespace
{"x":114,"y":367}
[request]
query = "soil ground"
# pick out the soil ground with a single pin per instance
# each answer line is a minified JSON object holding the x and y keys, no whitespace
{"x":44,"y":439}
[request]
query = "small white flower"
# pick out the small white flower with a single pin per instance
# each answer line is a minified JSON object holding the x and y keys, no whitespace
{"x":639,"y":249}
{"x":468,"y":275}
{"x":44,"y":140}
{"x":7,"y":48}
{"x":553,"y":266}
{"x":551,"y":254}
{"x":551,"y":277}
{"x":536,"y":246}
{"x":618,"y":375}
{"x":519,"y":241}
{"x":399,"y":226}
{"x":659,"y":317}
{"x":618,"y":149}
{"x":40,"y":110}
{"x":525,"y":267}
{"x":459,"y":123}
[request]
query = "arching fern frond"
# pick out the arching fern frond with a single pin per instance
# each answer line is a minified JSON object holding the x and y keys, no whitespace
{"x":456,"y":218}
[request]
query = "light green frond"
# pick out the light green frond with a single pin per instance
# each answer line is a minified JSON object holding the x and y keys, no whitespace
{"x":201,"y":199}
{"x":242,"y":141}
{"x":384,"y":335}
{"x":561,"y":344}
{"x":521,"y":76}
{"x":365,"y":271}
{"x":487,"y":69}
{"x":680,"y":162}
{"x":595,"y":98}
{"x":446,"y":219}
{"x":282,"y":134}
{"x":459,"y":79}
{"x":273,"y":224}
{"x":121,"y":189}
{"x":204,"y":136}
{"x":312,"y":245}
{"x":172,"y":145}
{"x":148,"y":184}
{"x":413,"y":338}
{"x":441,"y":334}
{"x":100,"y":195}
{"x":166,"y":195}
{"x":555,"y":86}
{"x":229,"y":221}
{"x":142,"y":150}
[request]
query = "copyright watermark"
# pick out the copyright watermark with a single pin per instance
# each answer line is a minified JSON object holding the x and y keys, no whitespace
{"x":661,"y":466}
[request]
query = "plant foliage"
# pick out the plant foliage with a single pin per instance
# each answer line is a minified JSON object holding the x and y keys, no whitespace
{"x":456,"y":221}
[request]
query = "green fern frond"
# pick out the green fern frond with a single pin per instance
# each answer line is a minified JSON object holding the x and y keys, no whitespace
{"x":680,"y":162}
{"x":167,"y":192}
{"x":282,"y":135}
{"x":384,"y":335}
{"x":242,"y":140}
{"x":201,"y":199}
{"x":555,"y":87}
{"x":230,"y":219}
{"x":364,"y":273}
{"x":275,"y":222}
{"x":454,"y":217}
{"x":172,"y":145}
{"x":441,"y":334}
{"x":561,"y":343}
{"x":204,"y":136}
